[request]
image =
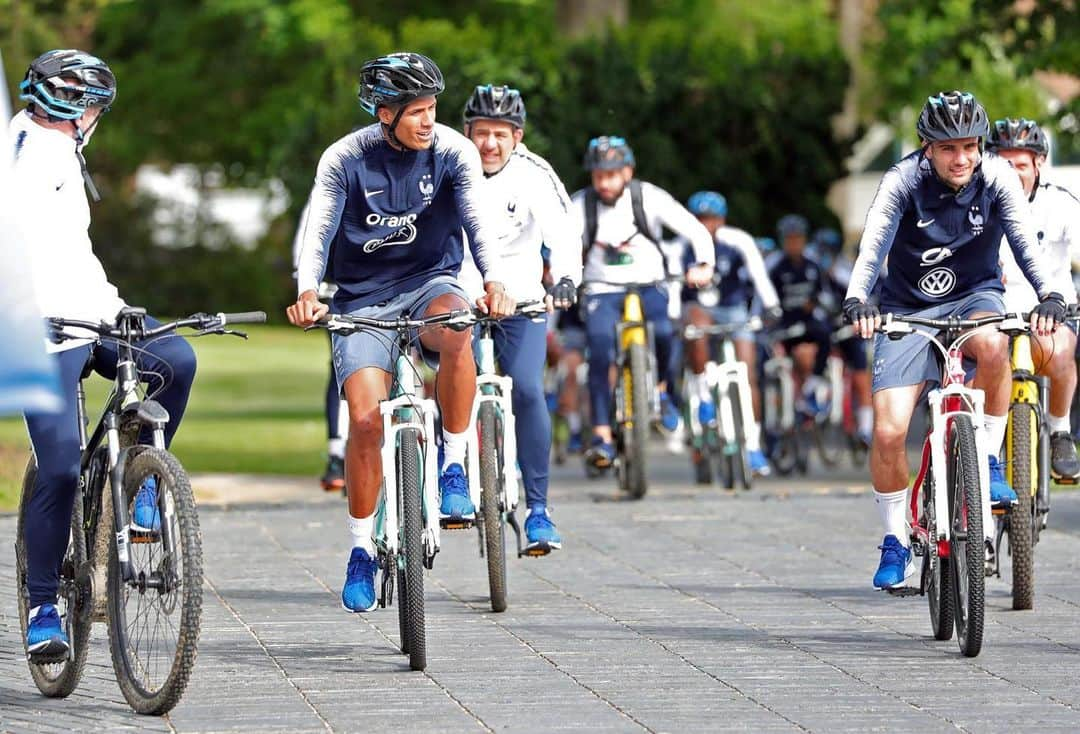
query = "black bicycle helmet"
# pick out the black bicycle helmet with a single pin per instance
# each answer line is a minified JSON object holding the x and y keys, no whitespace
{"x":608,"y":153}
{"x":1018,"y":134}
{"x":64,"y":83}
{"x":489,"y":102}
{"x":951,"y":116}
{"x":397,"y":79}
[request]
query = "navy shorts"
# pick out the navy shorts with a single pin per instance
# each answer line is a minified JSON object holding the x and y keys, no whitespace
{"x":912,"y":359}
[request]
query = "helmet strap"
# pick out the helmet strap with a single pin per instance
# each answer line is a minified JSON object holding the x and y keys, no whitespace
{"x":390,"y":129}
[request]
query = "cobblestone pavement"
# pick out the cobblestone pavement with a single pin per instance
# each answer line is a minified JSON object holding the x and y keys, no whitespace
{"x":691,"y":610}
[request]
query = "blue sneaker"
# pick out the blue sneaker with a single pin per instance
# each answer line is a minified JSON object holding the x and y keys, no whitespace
{"x":669,"y":414}
{"x":759,"y":465}
{"x":706,"y":413}
{"x":456,"y":503}
{"x":574,"y":443}
{"x":45,"y":636}
{"x":540,"y":532}
{"x":358,"y":593}
{"x":601,"y":454}
{"x":1000,"y":491}
{"x":895,"y":565}
{"x":146,"y":518}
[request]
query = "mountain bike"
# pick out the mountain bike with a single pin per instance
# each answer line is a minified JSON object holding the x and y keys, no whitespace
{"x":492,"y":457}
{"x":722,"y":441}
{"x":787,"y":450}
{"x":637,"y":399}
{"x":950,"y":499}
{"x":835,"y":431}
{"x":146,"y":585}
{"x":407,"y":514}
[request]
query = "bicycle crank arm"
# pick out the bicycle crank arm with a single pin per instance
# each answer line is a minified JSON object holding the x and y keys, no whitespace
{"x":386,"y":586}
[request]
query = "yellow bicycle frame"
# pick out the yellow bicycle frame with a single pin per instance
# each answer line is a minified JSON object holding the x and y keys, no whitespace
{"x":633,"y":313}
{"x":1024,"y":390}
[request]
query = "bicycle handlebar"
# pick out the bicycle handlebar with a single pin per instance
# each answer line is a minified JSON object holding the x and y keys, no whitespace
{"x":636,"y":284}
{"x":458,"y":319}
{"x":692,"y":331}
{"x":202,"y":321}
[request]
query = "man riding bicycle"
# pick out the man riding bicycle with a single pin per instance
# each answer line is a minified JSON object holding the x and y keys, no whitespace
{"x":619,"y":219}
{"x":388,"y":206}
{"x":939,"y":215}
{"x":801,"y":283}
{"x":739,"y":274}
{"x":526,"y":191}
{"x":67,"y":91}
{"x":1056,"y":214}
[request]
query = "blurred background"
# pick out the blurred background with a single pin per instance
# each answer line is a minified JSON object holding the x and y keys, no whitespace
{"x":224,"y":107}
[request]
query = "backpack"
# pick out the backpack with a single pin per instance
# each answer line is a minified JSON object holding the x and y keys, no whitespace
{"x":588,"y":237}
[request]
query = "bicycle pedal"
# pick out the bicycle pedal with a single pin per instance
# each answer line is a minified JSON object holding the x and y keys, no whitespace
{"x":451,"y":523}
{"x":1067,"y":481}
{"x":904,"y":591}
{"x":537,"y":551}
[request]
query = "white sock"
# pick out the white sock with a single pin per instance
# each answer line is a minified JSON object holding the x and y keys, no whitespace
{"x":454,"y":446}
{"x":360,"y":529}
{"x":995,"y":432}
{"x":336,"y":448}
{"x":864,"y":416}
{"x":753,"y":436}
{"x":1059,"y":424}
{"x":573,"y":422}
{"x":892,"y":507}
{"x":699,"y":386}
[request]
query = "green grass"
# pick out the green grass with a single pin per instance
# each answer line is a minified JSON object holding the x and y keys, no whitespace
{"x":256,"y":407}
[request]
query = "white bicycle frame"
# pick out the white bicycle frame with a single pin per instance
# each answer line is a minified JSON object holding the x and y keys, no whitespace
{"x":781,"y":370}
{"x":942,"y":400}
{"x":422,"y":419}
{"x":720,"y":376}
{"x":503,"y":385}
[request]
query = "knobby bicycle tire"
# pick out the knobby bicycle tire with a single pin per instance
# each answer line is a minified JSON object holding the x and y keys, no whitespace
{"x":135,"y":664}
{"x":740,"y":459}
{"x":410,"y":489}
{"x":55,"y":680}
{"x":634,"y":463}
{"x":1023,"y":429}
{"x":490,"y":501}
{"x":967,"y":552}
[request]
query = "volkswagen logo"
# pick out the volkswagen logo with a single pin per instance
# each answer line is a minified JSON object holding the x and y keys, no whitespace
{"x":937,"y":282}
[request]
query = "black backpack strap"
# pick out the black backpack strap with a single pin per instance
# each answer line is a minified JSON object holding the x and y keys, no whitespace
{"x":640,"y":220}
{"x":588,"y":237}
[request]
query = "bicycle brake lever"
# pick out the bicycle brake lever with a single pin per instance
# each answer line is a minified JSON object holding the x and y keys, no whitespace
{"x":233,"y":332}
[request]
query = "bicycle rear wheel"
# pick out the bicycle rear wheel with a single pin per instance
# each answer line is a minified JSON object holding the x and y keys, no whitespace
{"x":413,"y":635}
{"x":967,"y":544}
{"x":636,"y":438}
{"x":490,"y":503}
{"x":740,"y":459}
{"x":154,"y":621}
{"x":1023,"y":429}
{"x":59,"y":678}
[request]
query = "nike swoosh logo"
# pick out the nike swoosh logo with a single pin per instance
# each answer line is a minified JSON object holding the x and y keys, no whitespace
{"x":922,"y":225}
{"x":60,"y":186}
{"x":373,"y":193}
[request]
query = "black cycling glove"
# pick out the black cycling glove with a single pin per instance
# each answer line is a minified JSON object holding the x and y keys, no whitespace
{"x":854,"y":309}
{"x":564,"y":291}
{"x":1051,"y":307}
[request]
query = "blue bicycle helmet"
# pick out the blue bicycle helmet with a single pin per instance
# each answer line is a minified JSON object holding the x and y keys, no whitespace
{"x":765,"y":244}
{"x":792,"y":224}
{"x":707,"y":204}
{"x":828,"y":239}
{"x":608,"y":153}
{"x":64,"y":83}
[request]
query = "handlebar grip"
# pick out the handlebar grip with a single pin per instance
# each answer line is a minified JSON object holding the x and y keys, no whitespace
{"x":247,"y":317}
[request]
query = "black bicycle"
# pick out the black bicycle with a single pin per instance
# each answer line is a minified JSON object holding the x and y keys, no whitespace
{"x":147,"y":585}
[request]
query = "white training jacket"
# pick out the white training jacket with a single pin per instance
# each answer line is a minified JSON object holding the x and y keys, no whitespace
{"x":1055,"y":214}
{"x":615,"y":226}
{"x":47,"y":189}
{"x":535,"y":210}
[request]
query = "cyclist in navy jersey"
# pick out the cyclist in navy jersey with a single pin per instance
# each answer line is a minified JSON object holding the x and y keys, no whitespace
{"x":389,"y":204}
{"x":939,"y":215}
{"x":801,"y":283}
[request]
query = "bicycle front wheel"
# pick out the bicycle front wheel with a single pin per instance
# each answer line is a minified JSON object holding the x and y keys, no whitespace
{"x":637,"y":437}
{"x":411,"y":594}
{"x":58,"y":678}
{"x":967,"y":544}
{"x":1023,"y":429}
{"x":490,"y":502}
{"x":740,"y":460}
{"x":154,"y":619}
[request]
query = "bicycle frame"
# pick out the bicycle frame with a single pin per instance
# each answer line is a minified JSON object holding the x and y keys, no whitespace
{"x":633,"y":329}
{"x":404,"y":410}
{"x":1025,"y":390}
{"x":720,"y":376}
{"x":493,"y":388}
